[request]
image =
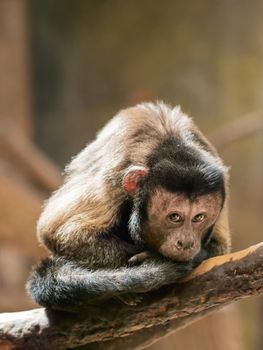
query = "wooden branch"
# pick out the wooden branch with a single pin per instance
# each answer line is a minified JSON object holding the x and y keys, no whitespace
{"x":28,"y":157}
{"x":113,"y":325}
{"x":237,"y":130}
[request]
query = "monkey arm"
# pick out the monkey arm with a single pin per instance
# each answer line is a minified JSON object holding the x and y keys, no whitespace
{"x":215,"y":283}
{"x":59,"y":283}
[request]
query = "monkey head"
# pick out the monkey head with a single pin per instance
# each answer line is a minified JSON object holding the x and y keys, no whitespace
{"x":176,"y":222}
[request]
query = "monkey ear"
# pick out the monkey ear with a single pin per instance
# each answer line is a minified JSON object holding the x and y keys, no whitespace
{"x":132,"y":178}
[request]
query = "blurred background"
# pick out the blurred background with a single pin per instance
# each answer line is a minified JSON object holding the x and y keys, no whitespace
{"x":66,"y":67}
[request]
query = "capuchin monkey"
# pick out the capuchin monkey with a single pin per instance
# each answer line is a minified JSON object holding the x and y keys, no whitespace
{"x":140,"y":207}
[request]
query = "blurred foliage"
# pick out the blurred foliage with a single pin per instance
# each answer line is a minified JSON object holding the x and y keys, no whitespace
{"x":92,"y":58}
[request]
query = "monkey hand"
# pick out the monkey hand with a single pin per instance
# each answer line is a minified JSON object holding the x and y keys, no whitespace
{"x":140,"y":257}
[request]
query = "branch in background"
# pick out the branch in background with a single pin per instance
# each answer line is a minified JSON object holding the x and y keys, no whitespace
{"x":28,"y":157}
{"x":237,"y":130}
{"x":48,"y":175}
{"x":112,"y":325}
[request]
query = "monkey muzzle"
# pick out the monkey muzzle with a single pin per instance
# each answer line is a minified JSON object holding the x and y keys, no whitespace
{"x":180,"y":249}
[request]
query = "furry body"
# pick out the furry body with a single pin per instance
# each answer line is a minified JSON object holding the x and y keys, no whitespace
{"x":93,"y":227}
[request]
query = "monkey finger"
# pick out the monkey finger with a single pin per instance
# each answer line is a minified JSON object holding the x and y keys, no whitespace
{"x":139,"y":258}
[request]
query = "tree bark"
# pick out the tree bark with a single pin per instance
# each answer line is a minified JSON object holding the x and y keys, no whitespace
{"x":113,"y":325}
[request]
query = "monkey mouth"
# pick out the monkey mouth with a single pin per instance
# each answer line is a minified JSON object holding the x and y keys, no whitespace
{"x":172,"y":253}
{"x":195,"y":260}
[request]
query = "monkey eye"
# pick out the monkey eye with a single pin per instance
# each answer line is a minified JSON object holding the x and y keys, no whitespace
{"x":175,"y":217}
{"x":199,"y":218}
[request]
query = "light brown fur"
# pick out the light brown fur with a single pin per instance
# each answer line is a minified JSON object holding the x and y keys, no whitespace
{"x":90,"y":198}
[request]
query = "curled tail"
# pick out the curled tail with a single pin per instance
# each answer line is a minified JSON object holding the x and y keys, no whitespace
{"x":59,"y":283}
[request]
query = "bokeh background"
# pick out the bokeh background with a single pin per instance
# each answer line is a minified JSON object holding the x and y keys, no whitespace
{"x":66,"y":67}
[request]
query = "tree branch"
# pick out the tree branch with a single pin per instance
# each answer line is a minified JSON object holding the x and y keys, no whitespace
{"x":28,"y":157}
{"x":113,"y":325}
{"x":238,"y":129}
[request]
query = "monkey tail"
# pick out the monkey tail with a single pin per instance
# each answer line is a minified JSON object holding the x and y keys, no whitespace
{"x":58,"y":283}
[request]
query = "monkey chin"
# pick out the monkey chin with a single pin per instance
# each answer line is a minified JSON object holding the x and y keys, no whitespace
{"x":196,"y":255}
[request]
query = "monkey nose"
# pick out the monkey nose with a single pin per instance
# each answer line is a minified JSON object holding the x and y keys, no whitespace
{"x":184,"y":245}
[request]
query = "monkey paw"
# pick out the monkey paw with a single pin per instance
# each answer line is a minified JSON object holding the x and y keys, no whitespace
{"x":139,"y":258}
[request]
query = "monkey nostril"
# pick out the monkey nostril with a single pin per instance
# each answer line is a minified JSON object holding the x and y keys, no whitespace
{"x":179,"y":245}
{"x":189,"y":245}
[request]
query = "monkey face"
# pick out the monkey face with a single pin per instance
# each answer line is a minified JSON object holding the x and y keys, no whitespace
{"x":176,"y":224}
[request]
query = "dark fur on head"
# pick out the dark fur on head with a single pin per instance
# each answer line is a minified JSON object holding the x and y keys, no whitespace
{"x":180,"y":167}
